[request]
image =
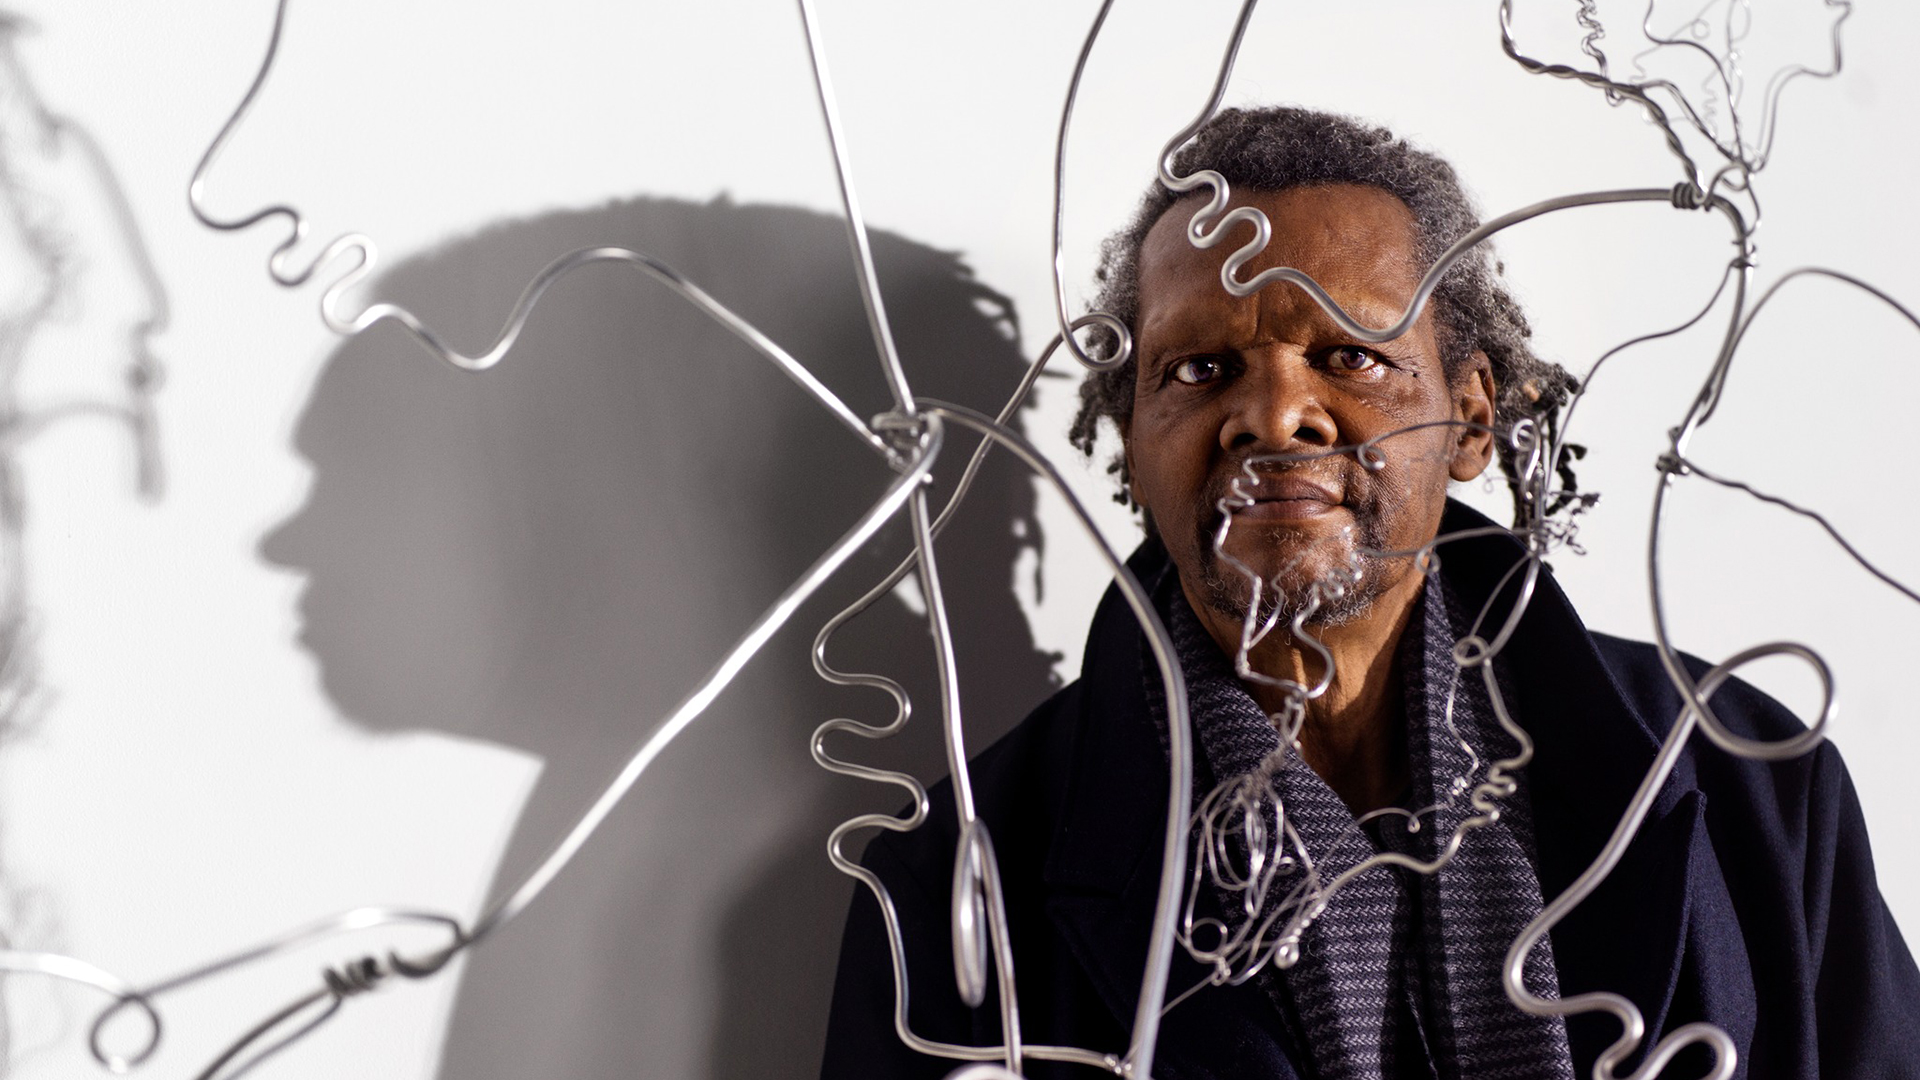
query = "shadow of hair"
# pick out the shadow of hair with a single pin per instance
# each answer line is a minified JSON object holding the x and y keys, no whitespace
{"x":549,"y":554}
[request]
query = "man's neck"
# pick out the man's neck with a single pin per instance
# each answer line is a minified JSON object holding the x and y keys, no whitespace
{"x":1354,"y":735}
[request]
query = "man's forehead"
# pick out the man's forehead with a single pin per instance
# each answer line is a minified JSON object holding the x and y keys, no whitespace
{"x":1339,"y":233}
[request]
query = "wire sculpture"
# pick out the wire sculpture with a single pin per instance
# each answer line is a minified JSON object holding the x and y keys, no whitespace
{"x":1240,"y":832}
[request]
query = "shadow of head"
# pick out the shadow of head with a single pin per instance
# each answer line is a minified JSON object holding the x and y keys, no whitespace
{"x":555,"y":548}
{"x":550,"y":554}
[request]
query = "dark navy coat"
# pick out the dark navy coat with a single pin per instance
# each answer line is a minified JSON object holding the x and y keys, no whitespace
{"x":1747,"y":898}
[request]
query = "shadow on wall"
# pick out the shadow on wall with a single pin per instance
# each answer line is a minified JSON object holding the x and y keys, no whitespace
{"x":549,"y":554}
{"x":70,"y":252}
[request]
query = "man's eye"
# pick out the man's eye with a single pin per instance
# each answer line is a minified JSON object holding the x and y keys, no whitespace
{"x":1199,"y":370}
{"x":1352,"y":358}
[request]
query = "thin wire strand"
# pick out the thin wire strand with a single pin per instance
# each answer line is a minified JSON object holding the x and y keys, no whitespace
{"x":364,"y":254}
{"x":1123,"y":337}
{"x":856,"y":224}
{"x":534,"y":884}
{"x":1138,"y":1064}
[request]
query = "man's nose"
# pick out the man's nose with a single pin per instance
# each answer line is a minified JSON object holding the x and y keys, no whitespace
{"x":1277,"y":405}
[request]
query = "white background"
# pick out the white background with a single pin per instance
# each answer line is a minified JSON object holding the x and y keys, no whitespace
{"x":190,"y":788}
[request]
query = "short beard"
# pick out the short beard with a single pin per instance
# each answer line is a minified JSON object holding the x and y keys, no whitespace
{"x":1229,"y":591}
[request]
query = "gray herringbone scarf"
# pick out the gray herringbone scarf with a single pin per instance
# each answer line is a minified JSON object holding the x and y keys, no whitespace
{"x":1400,"y":977}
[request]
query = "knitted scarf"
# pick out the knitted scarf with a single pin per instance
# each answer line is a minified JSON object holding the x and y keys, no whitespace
{"x":1400,"y":975}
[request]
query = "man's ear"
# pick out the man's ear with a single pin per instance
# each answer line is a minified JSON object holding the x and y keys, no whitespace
{"x":1126,"y":460}
{"x":1474,"y":396}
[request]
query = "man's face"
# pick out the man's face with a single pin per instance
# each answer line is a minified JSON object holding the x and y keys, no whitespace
{"x":1222,"y":380}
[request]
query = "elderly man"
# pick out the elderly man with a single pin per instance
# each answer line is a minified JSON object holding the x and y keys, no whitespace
{"x":1747,"y":899}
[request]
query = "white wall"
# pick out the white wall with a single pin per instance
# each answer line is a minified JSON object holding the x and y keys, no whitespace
{"x":192,"y":786}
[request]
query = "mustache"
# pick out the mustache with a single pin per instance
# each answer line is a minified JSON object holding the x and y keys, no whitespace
{"x":1335,"y":476}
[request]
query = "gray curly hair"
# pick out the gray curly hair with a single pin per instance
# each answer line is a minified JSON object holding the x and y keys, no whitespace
{"x":1278,"y":148}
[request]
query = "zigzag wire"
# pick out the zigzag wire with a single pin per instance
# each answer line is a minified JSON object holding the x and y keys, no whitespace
{"x":1614,"y":90}
{"x":1251,"y":945}
{"x":1696,"y":709}
{"x":1479,"y":652}
{"x":1210,"y":224}
{"x":957,"y":762}
{"x":969,"y":948}
{"x":366,"y":973}
{"x":1685,"y":196}
{"x":1241,"y":953}
{"x":1308,"y":899}
{"x":369,"y":972}
{"x":366,"y":255}
{"x":1722,"y":69}
{"x":986,"y":896}
{"x":1311,"y":896}
{"x":973,"y":894}
{"x":1138,"y":1064}
{"x":1589,"y":19}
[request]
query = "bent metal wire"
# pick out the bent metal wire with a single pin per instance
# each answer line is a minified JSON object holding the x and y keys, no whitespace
{"x":909,"y":438}
{"x":1273,"y":849}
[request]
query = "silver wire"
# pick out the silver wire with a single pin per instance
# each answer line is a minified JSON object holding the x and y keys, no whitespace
{"x":532,"y":885}
{"x":1242,"y":800}
{"x":1138,"y":1064}
{"x":1633,"y":1025}
{"x":1209,"y":226}
{"x":1249,"y":808}
{"x":1614,"y":90}
{"x":980,"y":891}
{"x":1695,"y":695}
{"x":366,"y":257}
{"x":1123,"y":337}
{"x":969,"y":963}
{"x":856,"y":224}
{"x":898,"y":493}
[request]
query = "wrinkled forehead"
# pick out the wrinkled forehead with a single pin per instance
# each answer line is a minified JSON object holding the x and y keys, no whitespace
{"x":1361,"y":243}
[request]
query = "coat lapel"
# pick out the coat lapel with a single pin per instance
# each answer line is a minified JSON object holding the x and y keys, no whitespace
{"x":1592,"y":749}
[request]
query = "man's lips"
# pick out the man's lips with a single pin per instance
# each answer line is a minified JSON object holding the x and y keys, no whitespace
{"x":1285,"y":498}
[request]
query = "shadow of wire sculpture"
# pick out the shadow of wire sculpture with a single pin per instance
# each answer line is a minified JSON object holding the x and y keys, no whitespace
{"x":910,"y":435}
{"x":45,"y":261}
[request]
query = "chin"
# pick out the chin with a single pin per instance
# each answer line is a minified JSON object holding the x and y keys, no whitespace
{"x":1327,"y":575}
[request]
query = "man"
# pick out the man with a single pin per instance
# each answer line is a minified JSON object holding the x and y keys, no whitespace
{"x":1747,"y":898}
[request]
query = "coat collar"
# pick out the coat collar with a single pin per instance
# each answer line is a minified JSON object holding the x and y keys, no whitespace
{"x":1591,"y":751}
